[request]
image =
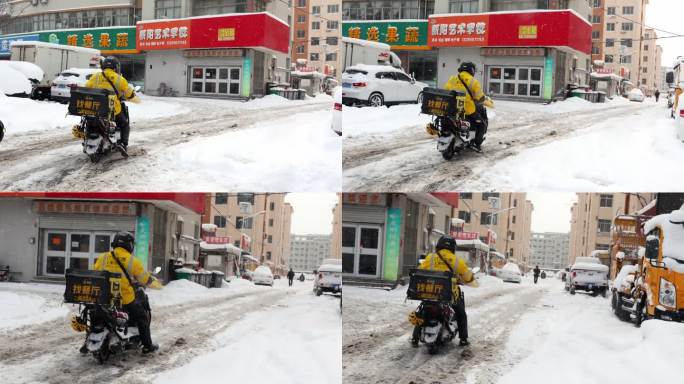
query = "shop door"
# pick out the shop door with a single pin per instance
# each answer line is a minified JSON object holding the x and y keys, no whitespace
{"x":515,"y":81}
{"x":73,"y":249}
{"x":361,"y":249}
{"x":220,"y":81}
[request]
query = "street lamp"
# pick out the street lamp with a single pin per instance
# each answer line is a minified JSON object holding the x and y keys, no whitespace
{"x":242,"y":232}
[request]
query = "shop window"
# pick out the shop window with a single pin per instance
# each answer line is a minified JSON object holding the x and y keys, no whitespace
{"x":216,"y":80}
{"x":495,"y":73}
{"x":494,"y":88}
{"x":57,"y":242}
{"x":535,"y":90}
{"x":509,"y":73}
{"x":102,"y":243}
{"x":315,"y":25}
{"x":509,"y":89}
{"x":522,"y":90}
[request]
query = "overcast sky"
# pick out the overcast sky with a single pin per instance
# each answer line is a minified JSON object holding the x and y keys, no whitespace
{"x":551,"y":211}
{"x":667,"y":15}
{"x":312,"y":212}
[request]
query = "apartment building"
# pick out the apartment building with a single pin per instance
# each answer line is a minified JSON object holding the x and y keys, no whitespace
{"x":507,"y":215}
{"x":308,"y":251}
{"x":301,"y":24}
{"x":258,"y":223}
{"x":549,"y":250}
{"x":651,"y":56}
{"x":598,"y":22}
{"x":622,"y":35}
{"x":336,"y":238}
{"x":324,"y":37}
{"x":592,"y":218}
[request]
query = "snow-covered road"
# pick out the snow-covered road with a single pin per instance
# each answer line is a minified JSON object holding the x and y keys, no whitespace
{"x":178,"y":144}
{"x":534,"y":334}
{"x":193,"y":325}
{"x":571,"y":145}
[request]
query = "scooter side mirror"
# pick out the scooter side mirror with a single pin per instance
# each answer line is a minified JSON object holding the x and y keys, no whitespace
{"x":156,"y":271}
{"x":652,"y":248}
{"x":137,"y":88}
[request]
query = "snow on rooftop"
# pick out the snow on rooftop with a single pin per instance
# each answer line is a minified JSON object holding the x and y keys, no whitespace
{"x":673,"y":234}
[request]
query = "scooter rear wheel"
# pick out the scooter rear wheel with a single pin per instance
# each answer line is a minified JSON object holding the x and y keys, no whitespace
{"x":449,"y":153}
{"x":103,"y":354}
{"x":95,"y":157}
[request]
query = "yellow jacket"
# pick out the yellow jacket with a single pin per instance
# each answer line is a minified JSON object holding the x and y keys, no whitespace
{"x":135,"y":269}
{"x":123,"y":90}
{"x":455,"y":84}
{"x":462,"y":273}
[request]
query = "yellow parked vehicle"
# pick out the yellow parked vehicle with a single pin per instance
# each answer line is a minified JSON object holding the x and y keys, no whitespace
{"x":654,"y":286}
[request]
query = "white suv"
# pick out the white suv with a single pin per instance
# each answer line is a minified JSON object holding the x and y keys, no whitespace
{"x":328,"y":278}
{"x":60,"y":89}
{"x":377,"y":85}
{"x":588,"y":274}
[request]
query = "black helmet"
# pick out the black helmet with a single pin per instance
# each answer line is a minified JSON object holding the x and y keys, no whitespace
{"x":124,"y":240}
{"x":110,"y":62}
{"x":468,"y":67}
{"x":446,"y":242}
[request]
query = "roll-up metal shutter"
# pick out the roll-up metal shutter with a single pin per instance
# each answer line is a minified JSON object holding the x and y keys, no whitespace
{"x":363,"y":214}
{"x":87,"y":222}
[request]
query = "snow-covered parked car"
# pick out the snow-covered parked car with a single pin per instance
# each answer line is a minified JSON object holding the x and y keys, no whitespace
{"x":328,"y":279}
{"x":636,"y":95}
{"x":262,"y":275}
{"x":336,"y":124}
{"x":588,"y":274}
{"x":60,"y":88}
{"x":378,"y":85}
{"x":14,"y":82}
{"x":510,"y":273}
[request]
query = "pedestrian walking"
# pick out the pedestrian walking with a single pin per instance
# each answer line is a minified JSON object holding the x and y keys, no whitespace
{"x":657,"y":94}
{"x":290,"y":277}
{"x":536,"y":273}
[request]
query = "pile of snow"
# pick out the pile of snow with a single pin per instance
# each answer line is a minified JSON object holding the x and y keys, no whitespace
{"x":299,"y":340}
{"x":577,"y":339}
{"x":511,"y":267}
{"x":184,"y":291}
{"x":13,"y":82}
{"x":30,"y":70}
{"x":21,"y":309}
{"x":673,"y":241}
{"x":623,"y":278}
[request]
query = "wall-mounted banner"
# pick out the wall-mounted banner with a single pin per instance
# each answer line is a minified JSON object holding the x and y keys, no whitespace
{"x":399,"y":34}
{"x":460,"y":30}
{"x":246,"y":76}
{"x":5,"y":42}
{"x":142,"y":239}
{"x":390,"y":263}
{"x":548,"y":77}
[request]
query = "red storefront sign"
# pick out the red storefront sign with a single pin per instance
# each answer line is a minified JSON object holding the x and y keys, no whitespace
{"x":172,"y":34}
{"x":461,"y":31}
{"x":544,"y":28}
{"x":450,"y":198}
{"x":465,"y":235}
{"x":85,"y":207}
{"x":217,"y":240}
{"x":249,"y":30}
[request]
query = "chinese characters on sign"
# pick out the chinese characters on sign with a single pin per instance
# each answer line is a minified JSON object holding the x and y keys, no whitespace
{"x":127,"y":209}
{"x":5,"y":42}
{"x":226,"y":34}
{"x":85,"y":293}
{"x":459,"y":30}
{"x":527,"y":32}
{"x":105,"y":39}
{"x":364,"y":198}
{"x":164,"y":35}
{"x":217,"y":240}
{"x":465,"y":235}
{"x":405,"y":34}
{"x":429,"y":290}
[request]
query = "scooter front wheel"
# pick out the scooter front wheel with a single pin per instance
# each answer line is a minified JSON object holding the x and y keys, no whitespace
{"x":449,"y":153}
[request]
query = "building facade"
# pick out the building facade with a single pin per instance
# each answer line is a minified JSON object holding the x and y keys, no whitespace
{"x":336,"y":237}
{"x":598,"y":21}
{"x":549,"y":250}
{"x":257,"y":223}
{"x":651,"y":57}
{"x":385,"y":235}
{"x":623,"y":21}
{"x":44,"y":234}
{"x":592,"y":219}
{"x":324,"y":37}
{"x":521,"y":54}
{"x":170,"y":46}
{"x":502,"y":220}
{"x":308,"y":251}
{"x":301,"y":22}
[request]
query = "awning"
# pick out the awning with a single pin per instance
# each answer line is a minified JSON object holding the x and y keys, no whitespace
{"x":472,"y":244}
{"x":227,"y":248}
{"x":250,"y":258}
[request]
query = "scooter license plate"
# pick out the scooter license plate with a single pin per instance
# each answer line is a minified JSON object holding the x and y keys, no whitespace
{"x":590,"y":286}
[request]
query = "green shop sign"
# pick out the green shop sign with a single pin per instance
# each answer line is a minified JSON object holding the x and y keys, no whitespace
{"x":107,"y":40}
{"x":399,"y":34}
{"x":390,"y":262}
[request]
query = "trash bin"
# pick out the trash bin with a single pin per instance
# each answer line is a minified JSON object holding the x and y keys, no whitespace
{"x":206,"y":278}
{"x":184,"y":273}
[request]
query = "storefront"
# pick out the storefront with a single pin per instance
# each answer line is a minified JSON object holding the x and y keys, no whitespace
{"x":110,"y":41}
{"x":230,"y":56}
{"x":384,"y":235}
{"x":46,"y":234}
{"x":519,"y":55}
{"x":407,"y":38}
